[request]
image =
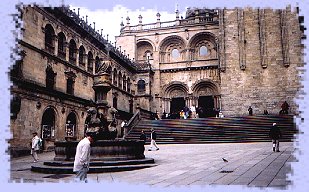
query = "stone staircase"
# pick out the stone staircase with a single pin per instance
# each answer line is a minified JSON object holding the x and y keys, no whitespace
{"x":216,"y":130}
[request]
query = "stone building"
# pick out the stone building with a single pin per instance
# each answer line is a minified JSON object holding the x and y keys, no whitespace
{"x":53,"y":81}
{"x":226,"y":60}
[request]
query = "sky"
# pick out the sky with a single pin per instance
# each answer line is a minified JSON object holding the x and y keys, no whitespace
{"x":109,"y":19}
{"x":107,"y":15}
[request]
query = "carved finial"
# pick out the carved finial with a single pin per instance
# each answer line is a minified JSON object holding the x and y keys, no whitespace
{"x":128,"y":20}
{"x":158,"y":17}
{"x":121,"y":24}
{"x":140,"y":19}
{"x":94,"y":25}
{"x":78,"y":12}
{"x":101,"y":31}
{"x":86,"y":19}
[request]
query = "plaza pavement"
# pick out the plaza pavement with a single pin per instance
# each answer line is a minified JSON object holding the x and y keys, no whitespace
{"x":249,"y":164}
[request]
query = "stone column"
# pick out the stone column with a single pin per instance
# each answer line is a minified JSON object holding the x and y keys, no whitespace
{"x":77,"y":57}
{"x":67,"y":51}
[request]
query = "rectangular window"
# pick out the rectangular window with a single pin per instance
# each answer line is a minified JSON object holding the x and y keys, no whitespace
{"x":70,"y":86}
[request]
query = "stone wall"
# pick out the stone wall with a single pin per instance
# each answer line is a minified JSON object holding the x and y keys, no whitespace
{"x":257,"y":86}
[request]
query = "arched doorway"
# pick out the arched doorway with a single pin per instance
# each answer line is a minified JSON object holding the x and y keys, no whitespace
{"x":177,"y":104}
{"x":206,"y":106}
{"x":48,"y":124}
{"x":207,"y":98}
{"x":71,"y":125}
{"x":175,"y":97}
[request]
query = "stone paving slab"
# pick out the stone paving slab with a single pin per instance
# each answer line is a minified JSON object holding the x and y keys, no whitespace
{"x":249,"y":164}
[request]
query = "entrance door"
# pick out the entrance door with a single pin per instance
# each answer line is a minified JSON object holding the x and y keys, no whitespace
{"x":206,"y":106}
{"x":177,"y":105}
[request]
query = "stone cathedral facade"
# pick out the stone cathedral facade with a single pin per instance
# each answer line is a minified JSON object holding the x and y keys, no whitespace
{"x":223,"y":59}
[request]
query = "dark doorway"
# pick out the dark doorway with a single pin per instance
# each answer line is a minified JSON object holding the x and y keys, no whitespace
{"x":177,"y":104}
{"x":206,"y":106}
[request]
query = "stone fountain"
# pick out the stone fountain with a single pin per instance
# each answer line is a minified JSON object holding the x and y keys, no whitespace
{"x":108,"y":153}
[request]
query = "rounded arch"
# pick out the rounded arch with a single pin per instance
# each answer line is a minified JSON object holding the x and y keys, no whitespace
{"x":172,"y":40}
{"x":207,"y":98}
{"x":148,"y":41}
{"x":141,"y":86}
{"x":175,"y":89}
{"x":203,"y":46}
{"x":205,"y":87}
{"x":71,"y":124}
{"x":82,"y":56}
{"x":61,"y":45}
{"x":144,"y":50}
{"x":72,"y":51}
{"x":203,"y":36}
{"x":48,"y":122}
{"x":128,"y":85}
{"x":49,"y":38}
{"x":172,"y":49}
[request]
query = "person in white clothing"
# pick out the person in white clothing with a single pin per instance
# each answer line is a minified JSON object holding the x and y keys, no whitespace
{"x":82,"y":158}
{"x":193,"y":111}
{"x":35,"y":146}
{"x":153,"y":144}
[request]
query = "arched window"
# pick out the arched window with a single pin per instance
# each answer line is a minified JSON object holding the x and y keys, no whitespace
{"x":97,"y":64}
{"x":203,"y":51}
{"x":119,"y":80}
{"x":50,"y":78}
{"x":124,"y":83}
{"x":90,"y":62}
{"x":115,"y":77}
{"x":61,"y":45}
{"x":82,"y":56}
{"x":49,"y":38}
{"x":72,"y":52}
{"x":128,"y":85}
{"x":141,"y":86}
{"x":70,"y":127}
{"x":48,"y":124}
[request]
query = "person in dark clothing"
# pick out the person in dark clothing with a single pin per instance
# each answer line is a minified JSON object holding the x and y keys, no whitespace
{"x":284,"y":108}
{"x":250,"y":110}
{"x":275,"y":135}
{"x":266,"y":112}
{"x":143,"y":136}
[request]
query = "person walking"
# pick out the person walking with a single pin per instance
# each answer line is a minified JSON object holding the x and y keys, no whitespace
{"x":250,"y":110}
{"x":143,"y":136}
{"x":82,"y":158}
{"x":35,"y":147}
{"x":153,"y":144}
{"x":275,"y":135}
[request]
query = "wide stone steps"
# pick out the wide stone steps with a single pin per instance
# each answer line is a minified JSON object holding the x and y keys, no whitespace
{"x":215,"y":130}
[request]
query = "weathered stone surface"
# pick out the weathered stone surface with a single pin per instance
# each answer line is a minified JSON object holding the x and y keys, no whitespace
{"x":230,"y":61}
